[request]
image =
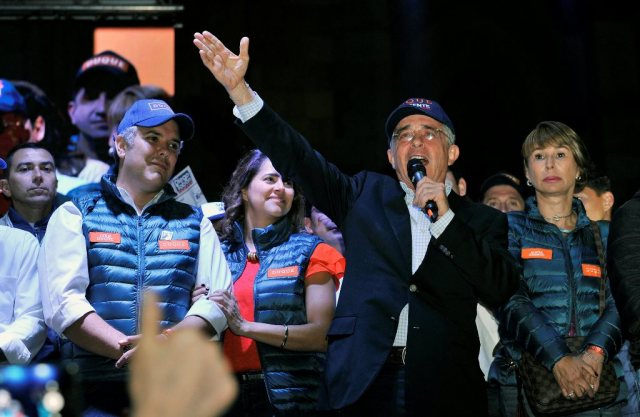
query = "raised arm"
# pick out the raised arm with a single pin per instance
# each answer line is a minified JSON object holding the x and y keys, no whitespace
{"x":228,"y":68}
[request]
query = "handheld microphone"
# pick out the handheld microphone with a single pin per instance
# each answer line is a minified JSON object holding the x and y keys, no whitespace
{"x":416,"y":172}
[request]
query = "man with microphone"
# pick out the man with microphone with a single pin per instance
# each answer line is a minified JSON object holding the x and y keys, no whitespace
{"x":403,"y":341}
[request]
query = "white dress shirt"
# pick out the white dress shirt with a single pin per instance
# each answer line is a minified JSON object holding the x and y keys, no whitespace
{"x":64,"y":270}
{"x":22,"y":329}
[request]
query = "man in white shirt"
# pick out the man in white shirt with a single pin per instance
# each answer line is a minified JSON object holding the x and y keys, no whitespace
{"x":22,"y":329}
{"x":102,"y":251}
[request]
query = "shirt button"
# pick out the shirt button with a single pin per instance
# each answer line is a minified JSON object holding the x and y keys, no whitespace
{"x":413,"y":288}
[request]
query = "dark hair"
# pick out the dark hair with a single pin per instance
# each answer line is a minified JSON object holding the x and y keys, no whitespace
{"x":598,"y":182}
{"x":57,"y":130}
{"x":245,"y":171}
{"x":26,"y":145}
{"x":550,"y":133}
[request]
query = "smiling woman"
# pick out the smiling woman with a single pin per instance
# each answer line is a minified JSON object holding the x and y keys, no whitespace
{"x":283,"y":296}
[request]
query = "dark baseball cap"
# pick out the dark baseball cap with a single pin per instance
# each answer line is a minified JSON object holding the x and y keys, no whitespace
{"x":412,"y":106}
{"x":502,"y":178}
{"x":109,"y":66}
{"x":151,"y":113}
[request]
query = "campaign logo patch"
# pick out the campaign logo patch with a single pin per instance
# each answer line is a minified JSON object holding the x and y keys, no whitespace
{"x":104,"y":237}
{"x":536,"y":253}
{"x":287,"y":271}
{"x":158,"y":105}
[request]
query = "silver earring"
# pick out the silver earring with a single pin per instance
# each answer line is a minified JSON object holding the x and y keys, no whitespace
{"x":529,"y":183}
{"x":579,"y":178}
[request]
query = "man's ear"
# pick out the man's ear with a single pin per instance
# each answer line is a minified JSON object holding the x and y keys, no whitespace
{"x":391,"y":158}
{"x":4,"y":188}
{"x":39,"y":129}
{"x":71,"y":111}
{"x":453,"y":154}
{"x":462,"y":187}
{"x":121,"y":146}
{"x":308,"y":225}
{"x":608,"y":200}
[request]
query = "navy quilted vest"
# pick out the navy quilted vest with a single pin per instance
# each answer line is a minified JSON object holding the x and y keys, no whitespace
{"x":293,"y":378}
{"x":157,"y":251}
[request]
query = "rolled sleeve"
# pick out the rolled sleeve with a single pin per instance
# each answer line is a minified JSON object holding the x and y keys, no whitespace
{"x":63,"y":269}
{"x":214,"y":273}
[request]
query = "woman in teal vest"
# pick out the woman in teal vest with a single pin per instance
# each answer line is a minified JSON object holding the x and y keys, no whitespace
{"x":556,"y":248}
{"x":283,"y":296}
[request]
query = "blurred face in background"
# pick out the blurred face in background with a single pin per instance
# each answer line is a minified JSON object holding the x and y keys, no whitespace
{"x":13,"y":131}
{"x":504,"y":198}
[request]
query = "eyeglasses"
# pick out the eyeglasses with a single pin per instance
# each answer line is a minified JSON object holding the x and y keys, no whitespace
{"x":424,"y":133}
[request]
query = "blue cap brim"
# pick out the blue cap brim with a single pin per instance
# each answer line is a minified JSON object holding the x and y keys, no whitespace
{"x":185,"y":124}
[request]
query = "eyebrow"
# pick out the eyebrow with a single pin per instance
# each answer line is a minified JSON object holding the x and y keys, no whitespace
{"x":31,"y":163}
{"x":157,"y":133}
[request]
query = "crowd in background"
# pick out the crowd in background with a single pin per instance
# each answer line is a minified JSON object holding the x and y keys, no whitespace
{"x":329,"y":294}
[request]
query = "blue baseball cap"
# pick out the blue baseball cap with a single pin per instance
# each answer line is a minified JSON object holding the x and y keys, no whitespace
{"x":10,"y":99}
{"x":151,"y":113}
{"x":412,"y":106}
{"x":3,"y":165}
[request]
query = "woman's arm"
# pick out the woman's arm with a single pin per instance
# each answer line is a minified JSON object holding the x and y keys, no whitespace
{"x":320,"y":304}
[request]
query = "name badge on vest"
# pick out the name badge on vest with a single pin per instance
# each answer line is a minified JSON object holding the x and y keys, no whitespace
{"x":166,"y":242}
{"x":104,"y":237}
{"x":287,"y":271}
{"x":589,"y":270}
{"x":536,"y":253}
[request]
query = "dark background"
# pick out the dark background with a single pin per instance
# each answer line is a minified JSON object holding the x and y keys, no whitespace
{"x":336,"y":68}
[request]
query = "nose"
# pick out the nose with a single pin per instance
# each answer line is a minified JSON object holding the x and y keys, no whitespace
{"x":549,"y":161}
{"x":278,"y":185}
{"x":418,"y":139}
{"x":102,"y":103}
{"x":503,"y":207}
{"x":37,"y":176}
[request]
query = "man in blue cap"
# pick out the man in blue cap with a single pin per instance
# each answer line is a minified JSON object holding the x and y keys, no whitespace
{"x":403,"y":341}
{"x":102,"y":251}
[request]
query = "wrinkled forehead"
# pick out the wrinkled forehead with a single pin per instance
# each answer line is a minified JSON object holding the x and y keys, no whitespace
{"x":416,"y":120}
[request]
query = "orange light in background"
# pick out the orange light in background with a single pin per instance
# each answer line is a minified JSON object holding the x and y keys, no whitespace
{"x":151,"y":50}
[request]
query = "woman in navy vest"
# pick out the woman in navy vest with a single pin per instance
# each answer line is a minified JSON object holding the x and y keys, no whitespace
{"x":283,"y":295}
{"x":556,"y":248}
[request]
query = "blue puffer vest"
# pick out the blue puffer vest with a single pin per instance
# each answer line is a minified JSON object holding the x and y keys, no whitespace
{"x":150,"y":256}
{"x":292,"y":378}
{"x":559,"y":294}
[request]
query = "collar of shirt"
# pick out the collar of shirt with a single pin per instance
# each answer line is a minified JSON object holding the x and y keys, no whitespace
{"x":129,"y":200}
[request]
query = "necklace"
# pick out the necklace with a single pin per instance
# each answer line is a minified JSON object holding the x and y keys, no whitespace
{"x":252,"y":257}
{"x":557,"y":217}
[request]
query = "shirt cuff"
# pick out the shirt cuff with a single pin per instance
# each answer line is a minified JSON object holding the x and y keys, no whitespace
{"x":209,"y":311}
{"x":247,"y":111}
{"x":14,"y":350}
{"x":438,"y":227}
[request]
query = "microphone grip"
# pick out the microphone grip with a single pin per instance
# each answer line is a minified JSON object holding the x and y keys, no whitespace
{"x":431,"y":208}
